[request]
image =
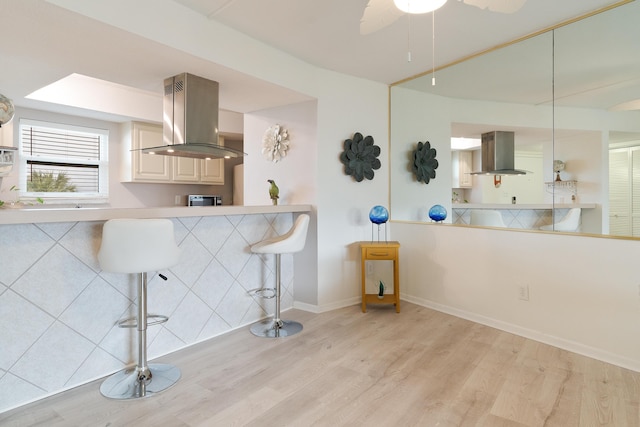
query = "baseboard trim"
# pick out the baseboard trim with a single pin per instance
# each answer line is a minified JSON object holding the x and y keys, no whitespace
{"x":317,"y":309}
{"x":562,"y":343}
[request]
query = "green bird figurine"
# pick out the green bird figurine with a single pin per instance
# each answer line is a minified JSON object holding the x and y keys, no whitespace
{"x":273,"y":191}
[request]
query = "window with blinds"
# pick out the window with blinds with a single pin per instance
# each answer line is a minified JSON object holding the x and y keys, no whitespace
{"x":62,"y":161}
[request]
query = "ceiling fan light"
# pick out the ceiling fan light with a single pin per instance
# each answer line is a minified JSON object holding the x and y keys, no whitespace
{"x":418,"y":6}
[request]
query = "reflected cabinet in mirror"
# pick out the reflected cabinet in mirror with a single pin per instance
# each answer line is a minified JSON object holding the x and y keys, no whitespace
{"x":544,"y":131}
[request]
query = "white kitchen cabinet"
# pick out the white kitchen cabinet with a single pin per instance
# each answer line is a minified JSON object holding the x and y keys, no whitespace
{"x":138,"y":167}
{"x":212,"y":170}
{"x":186,"y":170}
{"x":199,"y":171}
{"x":462,"y":162}
{"x":144,"y":167}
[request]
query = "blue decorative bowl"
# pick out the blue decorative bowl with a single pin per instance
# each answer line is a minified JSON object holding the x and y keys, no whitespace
{"x":379,"y":214}
{"x":437,"y":213}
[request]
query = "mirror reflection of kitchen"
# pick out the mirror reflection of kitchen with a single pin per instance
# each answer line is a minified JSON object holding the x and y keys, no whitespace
{"x":585,"y":111}
{"x":499,"y":188}
{"x":514,"y":190}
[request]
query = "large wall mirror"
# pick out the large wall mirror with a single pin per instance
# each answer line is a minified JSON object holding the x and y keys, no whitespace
{"x":570,"y":100}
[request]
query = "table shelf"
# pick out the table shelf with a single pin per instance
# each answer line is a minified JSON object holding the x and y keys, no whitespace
{"x":381,"y":251}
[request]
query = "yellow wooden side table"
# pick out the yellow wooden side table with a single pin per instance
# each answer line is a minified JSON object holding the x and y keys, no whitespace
{"x":372,"y":251}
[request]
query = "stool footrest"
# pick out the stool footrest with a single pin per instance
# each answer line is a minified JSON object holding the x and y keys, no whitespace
{"x":132,"y":322}
{"x":262,"y":292}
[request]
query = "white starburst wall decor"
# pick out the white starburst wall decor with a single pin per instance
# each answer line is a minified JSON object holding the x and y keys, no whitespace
{"x":275,"y":143}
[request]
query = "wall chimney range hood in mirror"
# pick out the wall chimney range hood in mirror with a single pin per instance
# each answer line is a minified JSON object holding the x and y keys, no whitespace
{"x":190,"y":120}
{"x":498,"y":154}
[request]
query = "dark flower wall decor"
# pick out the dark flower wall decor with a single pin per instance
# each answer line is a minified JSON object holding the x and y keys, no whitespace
{"x":359,"y":157}
{"x":424,"y":162}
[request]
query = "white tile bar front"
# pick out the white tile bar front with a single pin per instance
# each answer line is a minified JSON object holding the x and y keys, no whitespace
{"x":59,"y":310}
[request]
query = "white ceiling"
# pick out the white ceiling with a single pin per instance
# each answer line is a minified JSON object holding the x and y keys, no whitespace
{"x":45,"y":43}
{"x":327,"y":32}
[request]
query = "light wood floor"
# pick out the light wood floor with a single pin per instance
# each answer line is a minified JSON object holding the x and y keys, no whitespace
{"x":346,"y":368}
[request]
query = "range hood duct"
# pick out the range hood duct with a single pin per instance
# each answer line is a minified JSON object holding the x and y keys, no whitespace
{"x":498,"y":154}
{"x":190,"y":120}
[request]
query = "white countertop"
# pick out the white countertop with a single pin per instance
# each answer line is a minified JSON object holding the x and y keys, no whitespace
{"x":522,"y":206}
{"x":41,"y":214}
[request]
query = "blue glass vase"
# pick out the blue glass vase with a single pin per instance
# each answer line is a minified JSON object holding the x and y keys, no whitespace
{"x":437,"y":213}
{"x":379,"y":214}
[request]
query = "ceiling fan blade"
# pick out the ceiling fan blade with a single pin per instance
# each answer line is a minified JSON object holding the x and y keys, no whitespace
{"x":377,"y":15}
{"x":501,"y":6}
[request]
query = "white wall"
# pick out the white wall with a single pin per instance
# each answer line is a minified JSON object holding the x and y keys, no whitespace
{"x":295,"y":174}
{"x":583,"y":291}
{"x":347,"y":105}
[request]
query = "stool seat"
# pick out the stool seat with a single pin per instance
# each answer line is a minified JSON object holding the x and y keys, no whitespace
{"x":139,"y":246}
{"x":136,"y":245}
{"x":488,"y":218}
{"x":570,"y":222}
{"x":290,"y":242}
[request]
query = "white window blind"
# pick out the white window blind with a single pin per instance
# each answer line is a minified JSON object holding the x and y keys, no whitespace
{"x":63,"y":162}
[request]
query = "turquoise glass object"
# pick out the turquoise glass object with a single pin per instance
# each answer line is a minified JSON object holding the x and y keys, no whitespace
{"x":379,"y":214}
{"x":437,"y":213}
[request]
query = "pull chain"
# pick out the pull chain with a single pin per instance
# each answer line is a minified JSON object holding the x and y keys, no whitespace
{"x":433,"y":48}
{"x":409,"y":41}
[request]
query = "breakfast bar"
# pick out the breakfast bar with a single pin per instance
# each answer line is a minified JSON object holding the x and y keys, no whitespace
{"x":520,"y":216}
{"x":60,"y":311}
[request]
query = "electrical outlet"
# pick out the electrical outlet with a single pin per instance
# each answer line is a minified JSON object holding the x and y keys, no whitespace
{"x":369,"y":269}
{"x":523,"y":292}
{"x":176,"y":200}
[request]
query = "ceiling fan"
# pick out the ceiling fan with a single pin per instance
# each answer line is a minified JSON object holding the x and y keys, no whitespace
{"x":381,"y":13}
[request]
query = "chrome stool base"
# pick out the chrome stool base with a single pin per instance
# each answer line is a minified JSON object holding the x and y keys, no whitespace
{"x":271,"y":329}
{"x":290,"y":242}
{"x":126,"y":384}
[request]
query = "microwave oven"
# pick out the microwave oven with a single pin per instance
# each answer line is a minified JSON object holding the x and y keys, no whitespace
{"x":203,"y":200}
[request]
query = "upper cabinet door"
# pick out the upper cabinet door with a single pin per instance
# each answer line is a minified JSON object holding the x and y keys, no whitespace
{"x":186,"y":169}
{"x":146,"y":167}
{"x":462,"y":162}
{"x":212,"y":171}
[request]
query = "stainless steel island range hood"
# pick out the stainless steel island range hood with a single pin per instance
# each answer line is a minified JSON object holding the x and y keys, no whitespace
{"x":190,"y":120}
{"x":498,"y":154}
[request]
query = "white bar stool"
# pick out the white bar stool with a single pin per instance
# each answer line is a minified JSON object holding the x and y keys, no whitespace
{"x":290,"y":242}
{"x":570,"y":222}
{"x":139,"y":246}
